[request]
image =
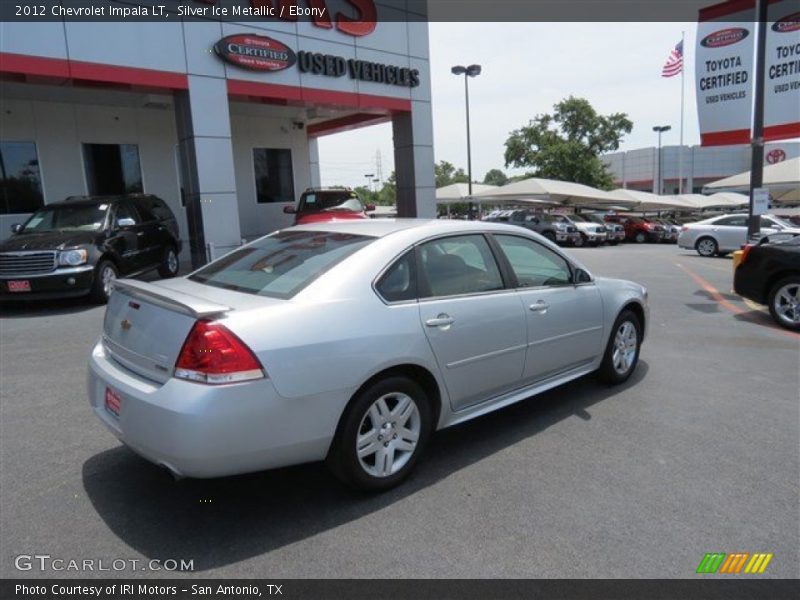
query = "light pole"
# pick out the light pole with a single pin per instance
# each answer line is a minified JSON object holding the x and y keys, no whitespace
{"x":659,"y":130}
{"x":369,"y":177}
{"x":467,"y":72}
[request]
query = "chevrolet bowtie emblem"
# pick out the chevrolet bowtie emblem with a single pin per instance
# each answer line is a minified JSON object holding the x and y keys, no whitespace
{"x":125,"y":324}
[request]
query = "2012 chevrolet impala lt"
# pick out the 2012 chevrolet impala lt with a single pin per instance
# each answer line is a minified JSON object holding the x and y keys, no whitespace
{"x":352,"y":342}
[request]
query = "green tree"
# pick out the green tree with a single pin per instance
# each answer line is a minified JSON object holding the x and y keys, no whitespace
{"x":567,"y":144}
{"x":387,"y":195}
{"x":495,"y":177}
{"x":446,"y":173}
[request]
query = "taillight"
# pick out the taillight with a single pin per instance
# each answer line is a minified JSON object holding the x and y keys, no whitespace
{"x":745,"y":252}
{"x":213,"y":354}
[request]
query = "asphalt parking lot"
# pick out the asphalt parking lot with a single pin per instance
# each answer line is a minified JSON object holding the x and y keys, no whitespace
{"x":698,"y":452}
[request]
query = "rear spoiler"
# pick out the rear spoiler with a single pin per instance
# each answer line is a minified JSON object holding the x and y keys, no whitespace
{"x":170,"y":299}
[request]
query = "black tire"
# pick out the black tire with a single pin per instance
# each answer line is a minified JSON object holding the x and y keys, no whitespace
{"x":170,"y":264}
{"x":100,"y":289}
{"x":613,"y":242}
{"x":550,"y":236}
{"x":706,"y":246}
{"x":580,"y":242}
{"x":640,"y":237}
{"x":793,"y":282}
{"x":607,"y":372}
{"x":343,"y":458}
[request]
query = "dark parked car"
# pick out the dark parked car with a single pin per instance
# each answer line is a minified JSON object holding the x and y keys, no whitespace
{"x":319,"y":205}
{"x":80,"y":246}
{"x":553,"y":227}
{"x":769,"y":273}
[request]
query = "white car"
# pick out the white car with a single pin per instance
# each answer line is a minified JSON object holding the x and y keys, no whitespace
{"x":592,"y":233}
{"x":726,"y":233}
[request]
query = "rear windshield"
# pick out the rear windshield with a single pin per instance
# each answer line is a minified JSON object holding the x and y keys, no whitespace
{"x":327,"y":201}
{"x":281,"y":264}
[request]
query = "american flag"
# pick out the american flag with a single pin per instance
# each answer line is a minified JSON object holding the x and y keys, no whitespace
{"x":674,"y":64}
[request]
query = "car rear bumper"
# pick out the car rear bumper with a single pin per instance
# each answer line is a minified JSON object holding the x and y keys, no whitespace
{"x":749,"y":285}
{"x":202,"y":431}
{"x":61,"y":283}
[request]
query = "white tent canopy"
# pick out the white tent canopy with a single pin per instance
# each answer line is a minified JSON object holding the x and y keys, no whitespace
{"x":782,"y":179}
{"x":718,"y":200}
{"x":459,"y":192}
{"x":645,"y":201}
{"x":561,"y":192}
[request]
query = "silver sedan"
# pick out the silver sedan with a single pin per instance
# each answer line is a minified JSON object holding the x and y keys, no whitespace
{"x":351,"y":342}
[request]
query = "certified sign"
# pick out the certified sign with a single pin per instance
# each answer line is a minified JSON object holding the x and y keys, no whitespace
{"x":760,"y":201}
{"x":255,"y":52}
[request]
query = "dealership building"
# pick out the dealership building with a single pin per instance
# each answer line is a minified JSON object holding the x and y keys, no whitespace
{"x":638,"y":169}
{"x":220,"y":119}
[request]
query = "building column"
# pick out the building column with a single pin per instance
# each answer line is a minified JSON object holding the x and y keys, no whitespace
{"x":313,"y":163}
{"x":413,"y":161}
{"x":208,"y":185}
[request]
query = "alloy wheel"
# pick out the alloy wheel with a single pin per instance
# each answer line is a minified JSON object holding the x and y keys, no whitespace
{"x":108,"y":276}
{"x":388,"y":434}
{"x":625,"y":345}
{"x":787,"y":304}
{"x":706,"y":247}
{"x":172,"y":261}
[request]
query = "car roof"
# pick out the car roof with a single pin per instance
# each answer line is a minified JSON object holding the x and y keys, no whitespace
{"x":95,"y":199}
{"x":384,"y":227}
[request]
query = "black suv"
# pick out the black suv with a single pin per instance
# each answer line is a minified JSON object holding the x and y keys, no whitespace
{"x":80,"y":245}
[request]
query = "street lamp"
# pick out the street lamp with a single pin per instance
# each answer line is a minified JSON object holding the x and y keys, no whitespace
{"x":467,"y":72}
{"x":659,"y":130}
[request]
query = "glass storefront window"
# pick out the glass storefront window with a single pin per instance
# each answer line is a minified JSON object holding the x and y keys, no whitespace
{"x":21,"y":190}
{"x":274,"y":176}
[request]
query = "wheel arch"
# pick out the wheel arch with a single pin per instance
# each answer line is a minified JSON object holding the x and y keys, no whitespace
{"x":704,"y":236}
{"x":637,"y":309}
{"x":775,"y":278}
{"x":417,"y":373}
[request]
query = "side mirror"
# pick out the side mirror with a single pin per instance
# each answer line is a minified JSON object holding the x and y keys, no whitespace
{"x":16,"y":228}
{"x":289,"y":210}
{"x":581,"y":276}
{"x":369,"y":207}
{"x":125,"y":222}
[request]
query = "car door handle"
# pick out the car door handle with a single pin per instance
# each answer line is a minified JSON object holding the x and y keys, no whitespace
{"x":540,"y":306}
{"x":443,"y":320}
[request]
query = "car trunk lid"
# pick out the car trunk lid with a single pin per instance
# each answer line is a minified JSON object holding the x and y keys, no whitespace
{"x":146,"y":325}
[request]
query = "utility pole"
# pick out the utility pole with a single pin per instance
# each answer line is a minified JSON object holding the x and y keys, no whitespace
{"x":757,"y":140}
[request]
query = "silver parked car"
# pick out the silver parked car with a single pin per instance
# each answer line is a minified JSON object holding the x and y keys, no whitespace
{"x":351,"y":342}
{"x":725,"y":233}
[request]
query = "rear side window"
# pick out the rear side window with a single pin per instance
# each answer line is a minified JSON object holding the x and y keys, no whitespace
{"x":732,"y":221}
{"x":459,"y":265}
{"x":156,"y":207}
{"x":282,"y":264}
{"x":399,"y":282}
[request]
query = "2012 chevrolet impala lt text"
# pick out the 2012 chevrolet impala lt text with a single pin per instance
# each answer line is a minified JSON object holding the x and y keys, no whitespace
{"x":352,"y":342}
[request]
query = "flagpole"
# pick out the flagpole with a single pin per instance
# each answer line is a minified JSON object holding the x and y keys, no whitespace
{"x":680,"y":148}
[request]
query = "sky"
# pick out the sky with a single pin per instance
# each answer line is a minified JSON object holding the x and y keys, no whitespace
{"x":527,"y":68}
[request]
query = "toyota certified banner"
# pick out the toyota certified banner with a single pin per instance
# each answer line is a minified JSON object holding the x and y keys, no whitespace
{"x":724,"y":70}
{"x":782,"y":80}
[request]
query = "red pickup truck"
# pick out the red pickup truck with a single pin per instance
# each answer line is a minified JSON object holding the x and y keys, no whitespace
{"x":637,"y":229}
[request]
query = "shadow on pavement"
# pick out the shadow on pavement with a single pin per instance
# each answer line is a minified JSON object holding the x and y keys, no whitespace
{"x":25,"y":309}
{"x":218,"y":522}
